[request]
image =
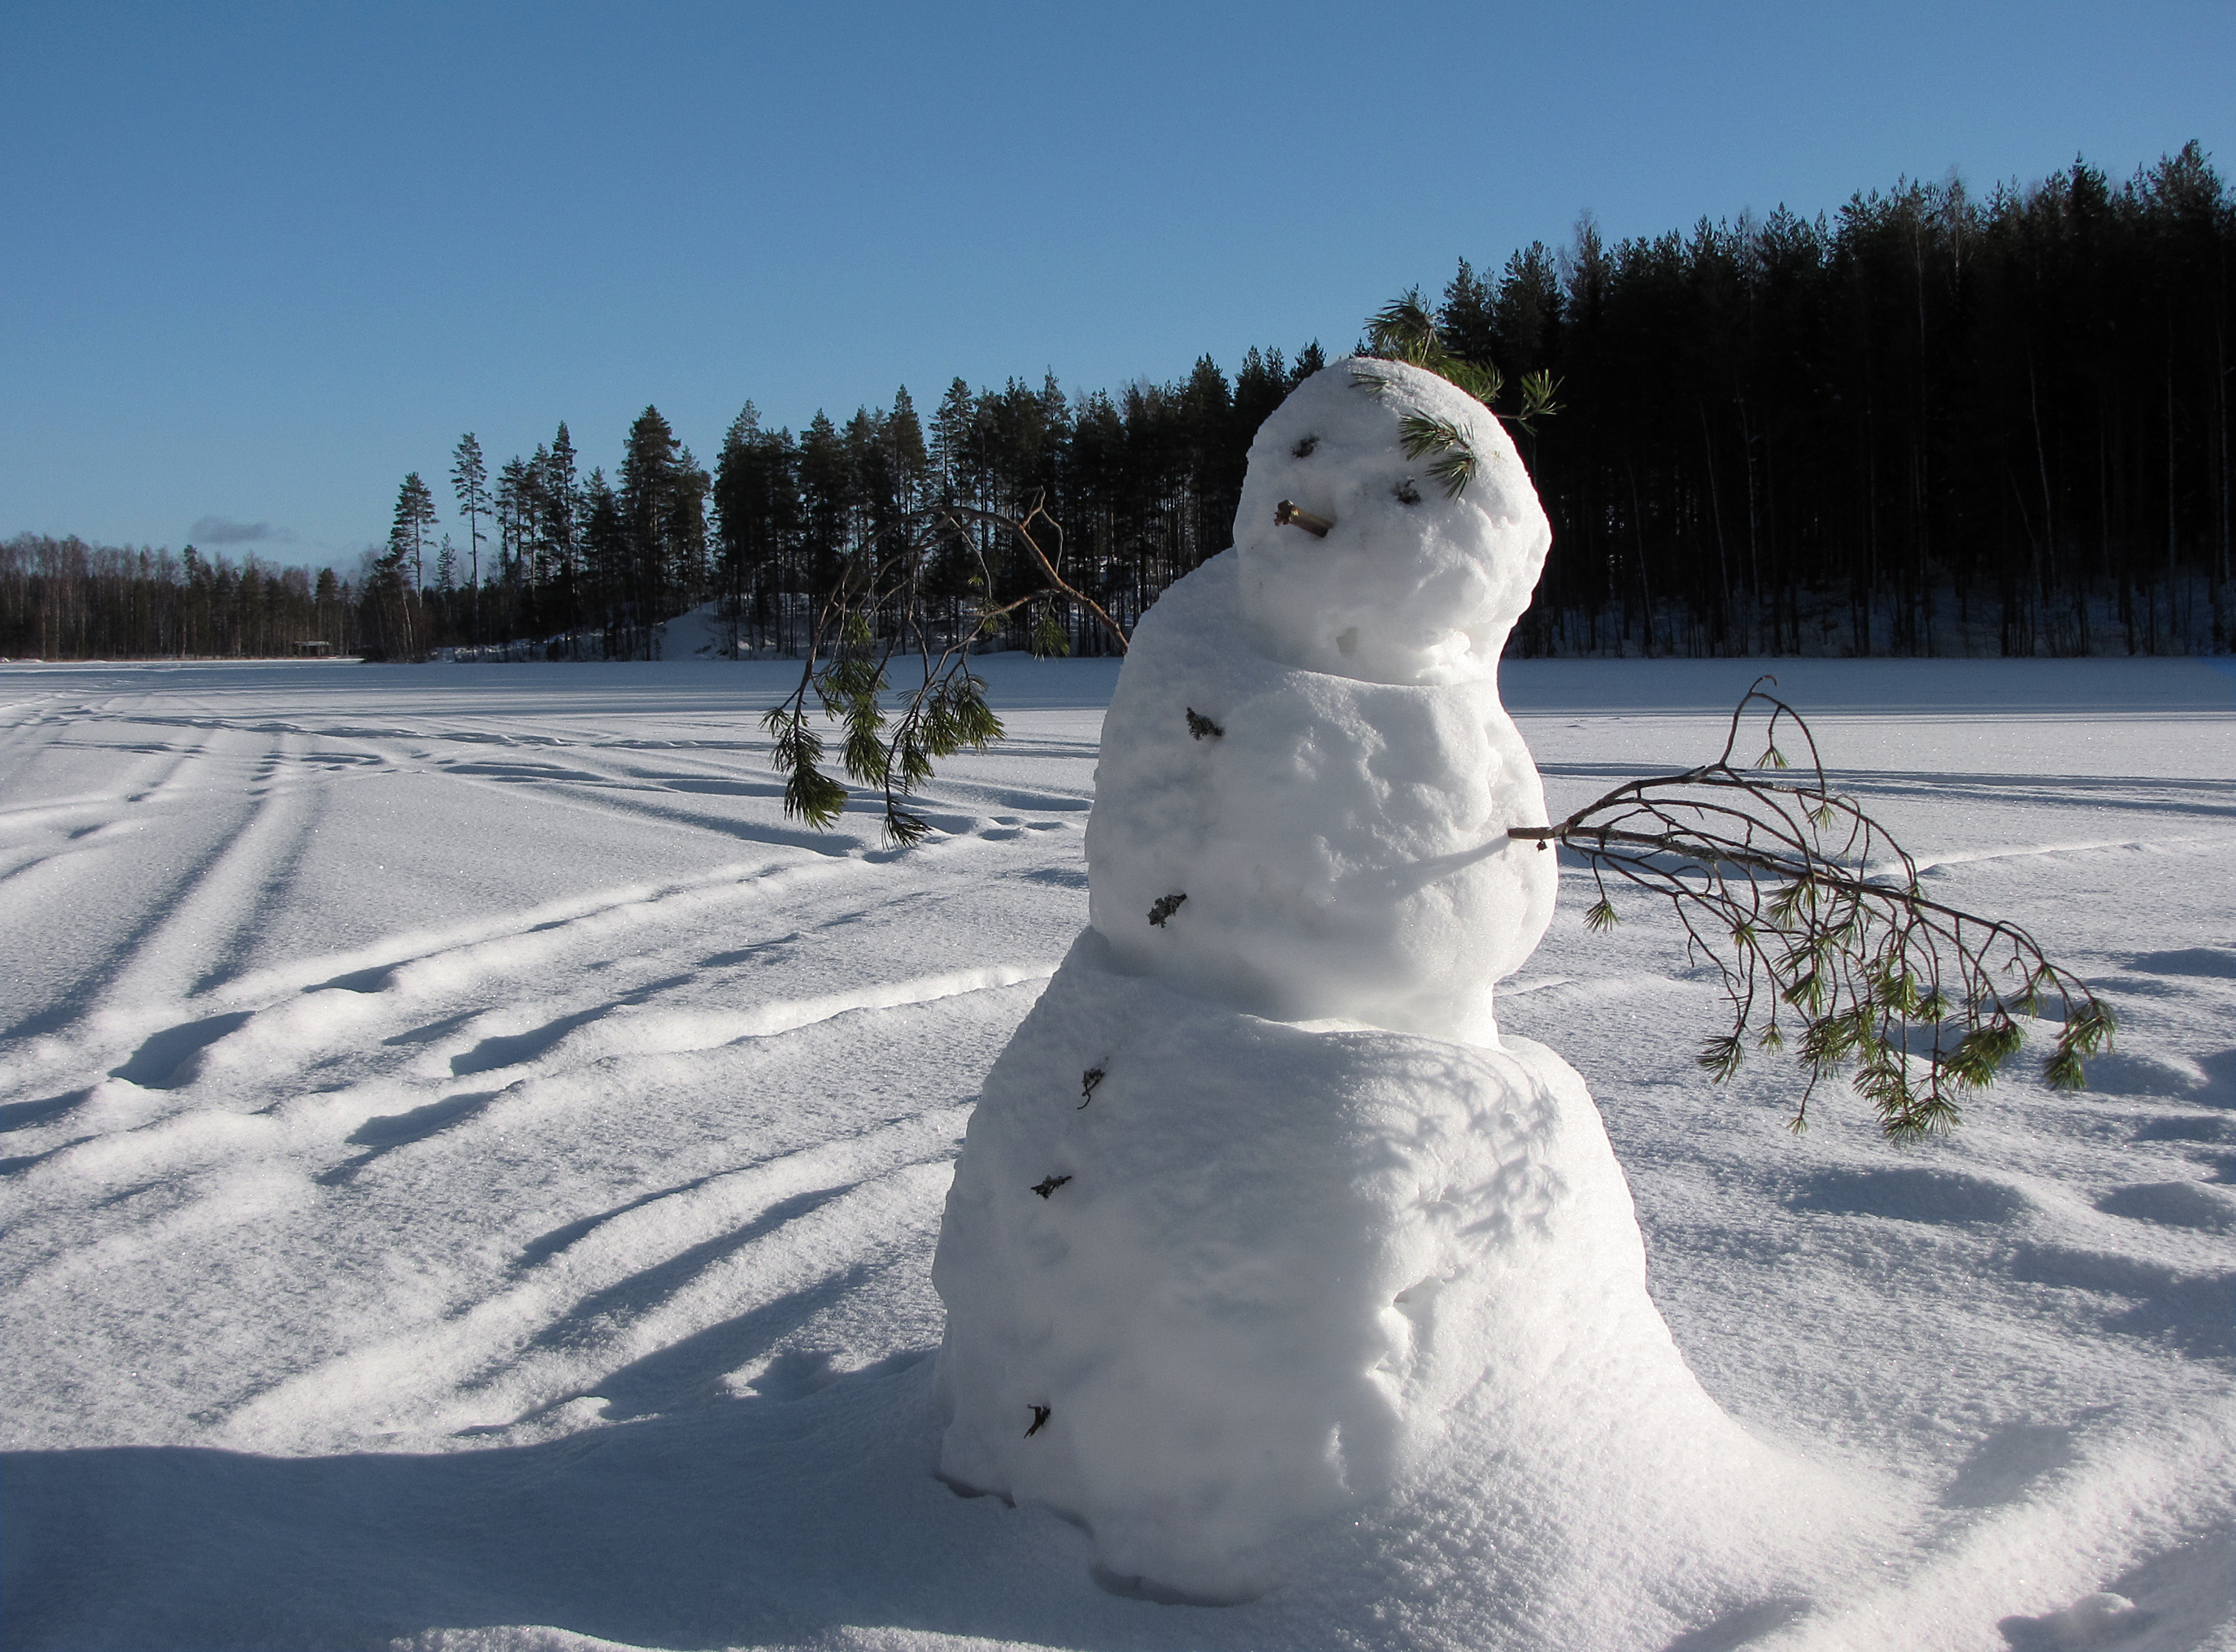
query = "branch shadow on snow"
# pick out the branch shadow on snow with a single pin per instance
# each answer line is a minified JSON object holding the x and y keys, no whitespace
{"x":2187,"y":960}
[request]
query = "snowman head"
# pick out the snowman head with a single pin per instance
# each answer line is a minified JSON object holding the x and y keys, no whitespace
{"x":1427,"y":555}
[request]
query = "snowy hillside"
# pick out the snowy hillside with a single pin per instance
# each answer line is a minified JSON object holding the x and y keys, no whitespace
{"x":472,"y":1171}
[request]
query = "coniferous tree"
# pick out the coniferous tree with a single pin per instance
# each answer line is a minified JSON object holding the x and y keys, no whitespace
{"x":391,"y":594}
{"x":513,"y":510}
{"x":758,"y":510}
{"x":685,"y":524}
{"x":911,"y":461}
{"x":606,"y":549}
{"x":1923,"y":420}
{"x":662,"y":497}
{"x":329,"y":599}
{"x":951,"y":443}
{"x":826,"y":497}
{"x":469,"y":480}
{"x":415,"y":519}
{"x":1466,"y":317}
{"x":557,"y":496}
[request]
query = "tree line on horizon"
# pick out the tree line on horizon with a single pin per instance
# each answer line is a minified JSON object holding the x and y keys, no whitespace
{"x":1144,"y":484}
{"x":1926,"y":423}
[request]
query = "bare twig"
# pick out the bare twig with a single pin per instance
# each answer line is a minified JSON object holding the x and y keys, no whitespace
{"x":1022,"y":530}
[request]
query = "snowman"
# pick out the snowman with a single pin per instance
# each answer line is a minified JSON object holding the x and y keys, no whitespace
{"x":1258,"y":1212}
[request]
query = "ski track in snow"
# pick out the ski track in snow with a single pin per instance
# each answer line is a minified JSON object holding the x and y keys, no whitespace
{"x":467,"y":1161}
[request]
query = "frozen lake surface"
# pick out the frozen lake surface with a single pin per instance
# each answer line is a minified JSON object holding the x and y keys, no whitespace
{"x":469,"y":1172}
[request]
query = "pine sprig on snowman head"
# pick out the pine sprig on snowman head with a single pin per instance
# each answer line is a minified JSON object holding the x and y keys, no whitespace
{"x":1405,"y":330}
{"x":1452,"y":457}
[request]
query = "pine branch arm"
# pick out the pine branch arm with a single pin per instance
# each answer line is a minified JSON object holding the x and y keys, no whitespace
{"x":1772,"y":883}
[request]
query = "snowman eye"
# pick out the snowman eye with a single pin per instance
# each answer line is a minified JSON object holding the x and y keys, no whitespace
{"x":1406,"y":492}
{"x":1304,"y":448}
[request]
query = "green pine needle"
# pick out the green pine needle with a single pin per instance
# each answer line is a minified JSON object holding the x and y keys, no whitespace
{"x":1405,"y":329}
{"x":1454,"y":465}
{"x":1538,"y":390}
{"x":1420,"y":433}
{"x":1480,"y":380}
{"x":1721,"y":1057}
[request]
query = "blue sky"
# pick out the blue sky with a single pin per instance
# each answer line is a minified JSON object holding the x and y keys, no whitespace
{"x":264,"y":260}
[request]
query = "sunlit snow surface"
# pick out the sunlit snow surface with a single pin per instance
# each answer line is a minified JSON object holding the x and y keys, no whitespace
{"x":471,"y":1170}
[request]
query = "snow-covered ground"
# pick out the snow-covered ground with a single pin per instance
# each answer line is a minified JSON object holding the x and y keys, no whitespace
{"x":472,"y":1169}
